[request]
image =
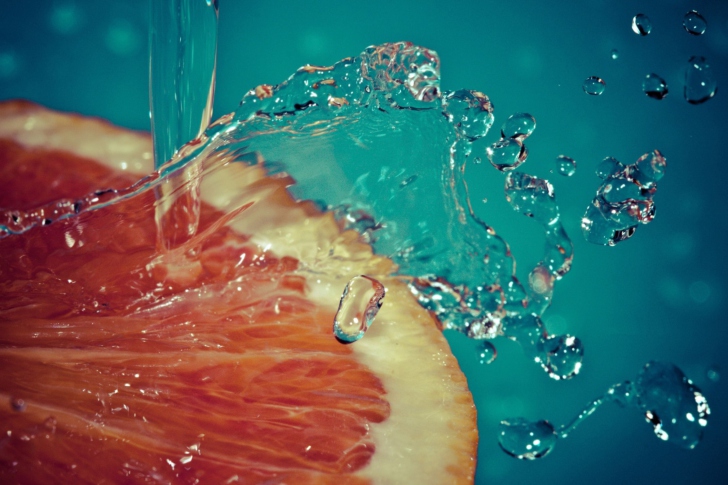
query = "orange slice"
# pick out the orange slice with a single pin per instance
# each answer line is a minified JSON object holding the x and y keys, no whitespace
{"x":214,"y":362}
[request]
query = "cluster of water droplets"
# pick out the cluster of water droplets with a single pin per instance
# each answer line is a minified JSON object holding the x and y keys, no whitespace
{"x":624,"y":199}
{"x":670,"y":402}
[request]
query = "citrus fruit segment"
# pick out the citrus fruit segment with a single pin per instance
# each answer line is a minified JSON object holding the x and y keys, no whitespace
{"x":213,"y":362}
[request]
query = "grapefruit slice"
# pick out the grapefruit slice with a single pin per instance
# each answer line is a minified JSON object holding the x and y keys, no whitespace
{"x":213,"y":362}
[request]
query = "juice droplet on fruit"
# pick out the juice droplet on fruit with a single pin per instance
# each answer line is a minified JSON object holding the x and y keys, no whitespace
{"x":641,"y":24}
{"x":700,"y":83}
{"x":654,"y":86}
{"x":671,"y":403}
{"x":18,"y":404}
{"x":362,"y":298}
{"x":623,"y":200}
{"x":594,"y":86}
{"x":565,"y":166}
{"x":694,"y":23}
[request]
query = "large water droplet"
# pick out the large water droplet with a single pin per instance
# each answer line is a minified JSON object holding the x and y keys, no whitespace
{"x":519,"y":125}
{"x":487,"y":353}
{"x":594,"y":85}
{"x":526,"y":440}
{"x":700,"y":83}
{"x":676,"y":408}
{"x":507,"y":154}
{"x":641,"y":24}
{"x":695,"y":23}
{"x":360,"y":302}
{"x":563,"y":356}
{"x":470,"y":112}
{"x":608,"y":166}
{"x":565,"y":165}
{"x":654,"y":86}
{"x":532,"y":197}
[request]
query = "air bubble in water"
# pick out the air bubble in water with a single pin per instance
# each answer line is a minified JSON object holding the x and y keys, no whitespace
{"x":654,"y":86}
{"x":565,"y":165}
{"x":641,"y":24}
{"x":507,"y":154}
{"x":594,"y":85}
{"x":676,"y":408}
{"x":487,"y":353}
{"x":700,"y":84}
{"x":526,"y":440}
{"x":695,"y":23}
{"x":470,"y":112}
{"x":519,"y":126}
{"x":608,"y":166}
{"x":360,"y":302}
{"x":615,"y":54}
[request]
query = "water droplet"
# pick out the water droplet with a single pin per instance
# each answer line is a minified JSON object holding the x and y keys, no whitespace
{"x":608,"y":167}
{"x":532,"y":197}
{"x":694,"y":23}
{"x":360,"y":302}
{"x":615,"y":54}
{"x":654,"y":86}
{"x":470,"y":112}
{"x":519,"y":126}
{"x":641,"y":24}
{"x":563,"y":356}
{"x":713,"y":373}
{"x":18,"y":404}
{"x":488,"y":353}
{"x":700,"y":83}
{"x":594,"y":85}
{"x":623,"y":200}
{"x":507,"y":154}
{"x":676,"y":408}
{"x":565,"y":165}
{"x":526,"y":440}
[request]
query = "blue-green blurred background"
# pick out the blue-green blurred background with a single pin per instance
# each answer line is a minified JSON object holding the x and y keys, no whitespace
{"x":661,"y":295}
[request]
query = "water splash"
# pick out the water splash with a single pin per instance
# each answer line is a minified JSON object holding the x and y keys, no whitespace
{"x":671,"y":403}
{"x":360,"y":302}
{"x":623,"y":200}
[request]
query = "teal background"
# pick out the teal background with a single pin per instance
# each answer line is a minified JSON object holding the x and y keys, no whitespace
{"x":660,"y":295}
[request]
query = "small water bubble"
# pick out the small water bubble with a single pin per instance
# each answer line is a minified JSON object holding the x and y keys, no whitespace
{"x":526,"y":440}
{"x":507,"y":154}
{"x":566,"y":166}
{"x":609,"y":166}
{"x":695,"y":23}
{"x":700,"y":83}
{"x":360,"y":302}
{"x":713,"y":373}
{"x":487,"y":353}
{"x":654,"y":86}
{"x":641,"y":24}
{"x":594,"y":86}
{"x":18,"y":404}
{"x":470,"y":112}
{"x":519,"y":126}
{"x":615,"y":54}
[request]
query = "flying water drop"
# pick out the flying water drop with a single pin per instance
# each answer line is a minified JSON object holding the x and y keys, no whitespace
{"x":700,"y":83}
{"x":654,"y":86}
{"x":470,"y":112}
{"x":594,"y":86}
{"x":507,"y":154}
{"x":623,"y":200}
{"x":641,"y":24}
{"x":694,"y":23}
{"x":566,"y":166}
{"x":608,"y":166}
{"x":519,"y":126}
{"x":615,"y":54}
{"x":674,"y":406}
{"x":360,"y":302}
